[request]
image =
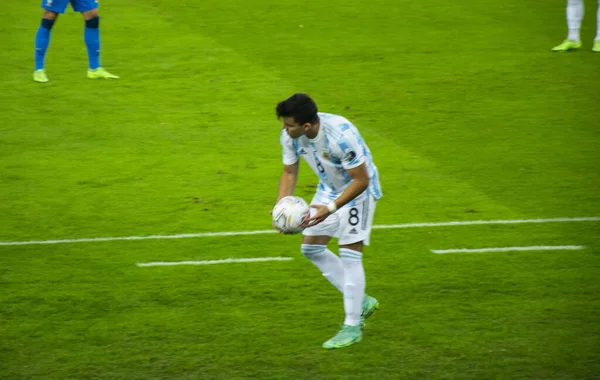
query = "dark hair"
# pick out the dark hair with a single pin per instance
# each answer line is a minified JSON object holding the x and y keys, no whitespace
{"x":299,"y":106}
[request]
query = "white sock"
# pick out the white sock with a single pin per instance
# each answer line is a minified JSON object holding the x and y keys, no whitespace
{"x":598,"y":23}
{"x":574,"y":17}
{"x":354,"y":285}
{"x":328,"y":262}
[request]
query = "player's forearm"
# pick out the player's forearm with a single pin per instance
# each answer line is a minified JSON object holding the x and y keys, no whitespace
{"x":287,"y":183}
{"x":354,"y":189}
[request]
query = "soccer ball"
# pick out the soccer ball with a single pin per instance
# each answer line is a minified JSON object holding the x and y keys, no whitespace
{"x":290,"y":213}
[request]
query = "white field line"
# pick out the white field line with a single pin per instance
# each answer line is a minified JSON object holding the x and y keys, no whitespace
{"x":209,"y":262}
{"x":475,"y":222}
{"x":260,"y":232}
{"x":509,"y":249}
{"x":177,"y":236}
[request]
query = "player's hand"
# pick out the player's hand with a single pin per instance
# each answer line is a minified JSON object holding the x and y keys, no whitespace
{"x":320,"y":215}
{"x":273,"y":222}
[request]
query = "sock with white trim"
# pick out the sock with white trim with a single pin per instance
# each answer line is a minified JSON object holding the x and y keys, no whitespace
{"x":328,"y":262}
{"x":575,"y":12}
{"x":598,"y":23}
{"x":354,"y":285}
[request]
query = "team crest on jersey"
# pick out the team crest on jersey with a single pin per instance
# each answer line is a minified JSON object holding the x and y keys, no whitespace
{"x":326,"y":155}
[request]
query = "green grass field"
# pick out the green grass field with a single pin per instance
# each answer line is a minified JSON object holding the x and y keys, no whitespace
{"x":469,"y":117}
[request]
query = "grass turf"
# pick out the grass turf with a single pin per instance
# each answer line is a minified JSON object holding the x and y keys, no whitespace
{"x":469,"y":117}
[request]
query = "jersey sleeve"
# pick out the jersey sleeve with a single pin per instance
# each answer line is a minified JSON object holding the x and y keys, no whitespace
{"x":351,"y":149}
{"x":290,"y":156}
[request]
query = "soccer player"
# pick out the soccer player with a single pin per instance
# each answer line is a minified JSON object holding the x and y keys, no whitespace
{"x":342,"y":207}
{"x":574,"y":17}
{"x":91,"y":36}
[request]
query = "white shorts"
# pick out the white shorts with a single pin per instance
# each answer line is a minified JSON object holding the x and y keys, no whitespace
{"x":349,"y":224}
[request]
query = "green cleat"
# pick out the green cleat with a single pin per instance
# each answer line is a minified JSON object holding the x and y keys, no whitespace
{"x":596,"y":47}
{"x":567,"y":45}
{"x":347,"y":336}
{"x":40,"y":76}
{"x":100,"y":73}
{"x":369,"y":306}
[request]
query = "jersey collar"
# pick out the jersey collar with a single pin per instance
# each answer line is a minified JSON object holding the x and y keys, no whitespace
{"x":318,"y":136}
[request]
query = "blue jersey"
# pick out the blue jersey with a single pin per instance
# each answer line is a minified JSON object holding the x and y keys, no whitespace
{"x":59,"y":6}
{"x":337,"y":148}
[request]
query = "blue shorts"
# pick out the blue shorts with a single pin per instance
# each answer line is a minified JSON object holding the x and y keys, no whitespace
{"x":59,"y":6}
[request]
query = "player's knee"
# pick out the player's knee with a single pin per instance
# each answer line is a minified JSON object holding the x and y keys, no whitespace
{"x":358,"y":246}
{"x":93,"y":23}
{"x":88,"y":15}
{"x":311,"y":251}
{"x":49,"y":15}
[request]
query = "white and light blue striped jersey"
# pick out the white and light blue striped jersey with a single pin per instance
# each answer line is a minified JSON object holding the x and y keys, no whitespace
{"x":337,"y":147}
